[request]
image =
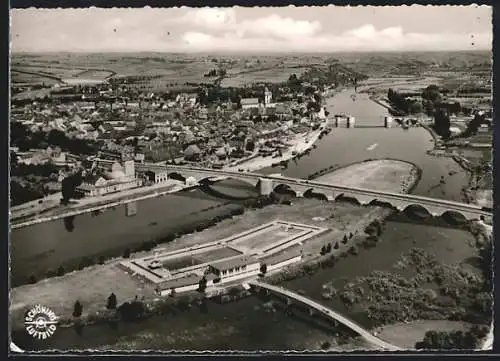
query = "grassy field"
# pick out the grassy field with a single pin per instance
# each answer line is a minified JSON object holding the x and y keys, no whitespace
{"x":216,"y":254}
{"x":94,"y":284}
{"x":264,"y":239}
{"x":273,"y":75}
{"x":408,"y":334}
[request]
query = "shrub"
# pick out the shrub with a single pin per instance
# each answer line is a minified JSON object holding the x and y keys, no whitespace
{"x":126,"y":253}
{"x":131,"y":311}
{"x":60,"y":271}
{"x":77,"y":309}
{"x":353,"y":250}
{"x":111,"y":304}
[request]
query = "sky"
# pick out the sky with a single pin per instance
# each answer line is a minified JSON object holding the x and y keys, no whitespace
{"x":239,"y":29}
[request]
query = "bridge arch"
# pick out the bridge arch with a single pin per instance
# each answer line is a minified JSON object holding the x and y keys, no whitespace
{"x":385,"y":204}
{"x":176,"y":176}
{"x":205,"y":181}
{"x":454,"y":217}
{"x":418,"y":211}
{"x":282,"y":188}
{"x":317,"y":194}
{"x":347,"y":198}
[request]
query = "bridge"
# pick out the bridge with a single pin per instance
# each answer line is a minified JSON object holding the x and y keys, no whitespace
{"x":337,"y":317}
{"x":302,"y":187}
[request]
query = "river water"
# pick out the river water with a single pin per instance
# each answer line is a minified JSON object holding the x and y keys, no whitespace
{"x":242,"y":325}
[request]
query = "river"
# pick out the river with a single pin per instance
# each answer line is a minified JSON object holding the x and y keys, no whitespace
{"x":242,"y":325}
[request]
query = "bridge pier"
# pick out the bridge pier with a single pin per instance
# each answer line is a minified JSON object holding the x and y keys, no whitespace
{"x":131,"y":209}
{"x":351,"y":122}
{"x":387,"y":121}
{"x":266,"y":186}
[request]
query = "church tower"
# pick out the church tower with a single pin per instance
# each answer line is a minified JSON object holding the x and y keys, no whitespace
{"x":128,"y":164}
{"x":268,"y":96}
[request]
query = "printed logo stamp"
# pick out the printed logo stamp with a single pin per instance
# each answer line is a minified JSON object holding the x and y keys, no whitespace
{"x":40,"y":322}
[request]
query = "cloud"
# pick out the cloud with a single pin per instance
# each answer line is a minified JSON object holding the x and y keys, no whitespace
{"x":307,"y":39}
{"x":226,"y":29}
{"x":211,"y":18}
{"x":277,"y":26}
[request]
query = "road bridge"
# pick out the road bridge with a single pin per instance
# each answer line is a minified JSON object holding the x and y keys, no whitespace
{"x":367,"y":335}
{"x":270,"y":183}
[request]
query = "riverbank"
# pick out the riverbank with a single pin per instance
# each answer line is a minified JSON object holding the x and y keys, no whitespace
{"x":49,"y":208}
{"x":47,"y":211}
{"x":298,"y":145}
{"x":472,"y":193}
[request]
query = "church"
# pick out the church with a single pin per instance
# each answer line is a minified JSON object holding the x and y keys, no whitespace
{"x":121,"y":177}
{"x":254,"y":103}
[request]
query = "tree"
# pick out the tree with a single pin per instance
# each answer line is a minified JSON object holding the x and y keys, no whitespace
{"x":60,"y":271}
{"x":77,"y":309}
{"x":442,"y":123}
{"x":126,"y":253}
{"x":328,"y":248}
{"x":415,"y":107}
{"x":250,"y":146}
{"x":323,"y":250}
{"x":435,"y":340}
{"x":432,"y":94}
{"x":111,"y":305}
{"x":202,"y":285}
{"x":263,"y":268}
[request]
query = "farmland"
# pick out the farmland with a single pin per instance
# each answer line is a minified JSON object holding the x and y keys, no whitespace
{"x":270,"y":75}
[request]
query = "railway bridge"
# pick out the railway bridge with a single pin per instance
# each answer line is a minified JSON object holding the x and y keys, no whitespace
{"x":337,"y":317}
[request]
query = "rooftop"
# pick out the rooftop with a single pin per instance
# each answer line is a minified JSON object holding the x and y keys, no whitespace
{"x":285,"y":255}
{"x":237,"y":261}
{"x":187,"y":280}
{"x":248,"y":101}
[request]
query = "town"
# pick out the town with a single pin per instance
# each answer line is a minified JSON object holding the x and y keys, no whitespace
{"x":189,"y":200}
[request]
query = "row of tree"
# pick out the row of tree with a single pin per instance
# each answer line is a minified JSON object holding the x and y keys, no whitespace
{"x":458,"y":340}
{"x":402,"y":103}
{"x":23,"y":138}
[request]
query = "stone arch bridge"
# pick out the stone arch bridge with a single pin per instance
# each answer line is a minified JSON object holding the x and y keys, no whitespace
{"x":300,"y":187}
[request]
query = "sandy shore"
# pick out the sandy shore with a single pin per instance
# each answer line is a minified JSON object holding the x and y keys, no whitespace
{"x":382,"y":175}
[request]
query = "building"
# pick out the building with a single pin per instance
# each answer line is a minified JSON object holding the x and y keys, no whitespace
{"x":157,"y":176}
{"x":120,"y":178}
{"x":235,"y":268}
{"x":171,"y":286}
{"x":282,"y":259}
{"x":249,"y":103}
{"x":192,"y":153}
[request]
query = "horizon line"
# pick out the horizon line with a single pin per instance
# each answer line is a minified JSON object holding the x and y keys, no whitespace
{"x":239,"y":52}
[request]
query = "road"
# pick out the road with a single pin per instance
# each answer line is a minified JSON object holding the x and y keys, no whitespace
{"x":332,"y":314}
